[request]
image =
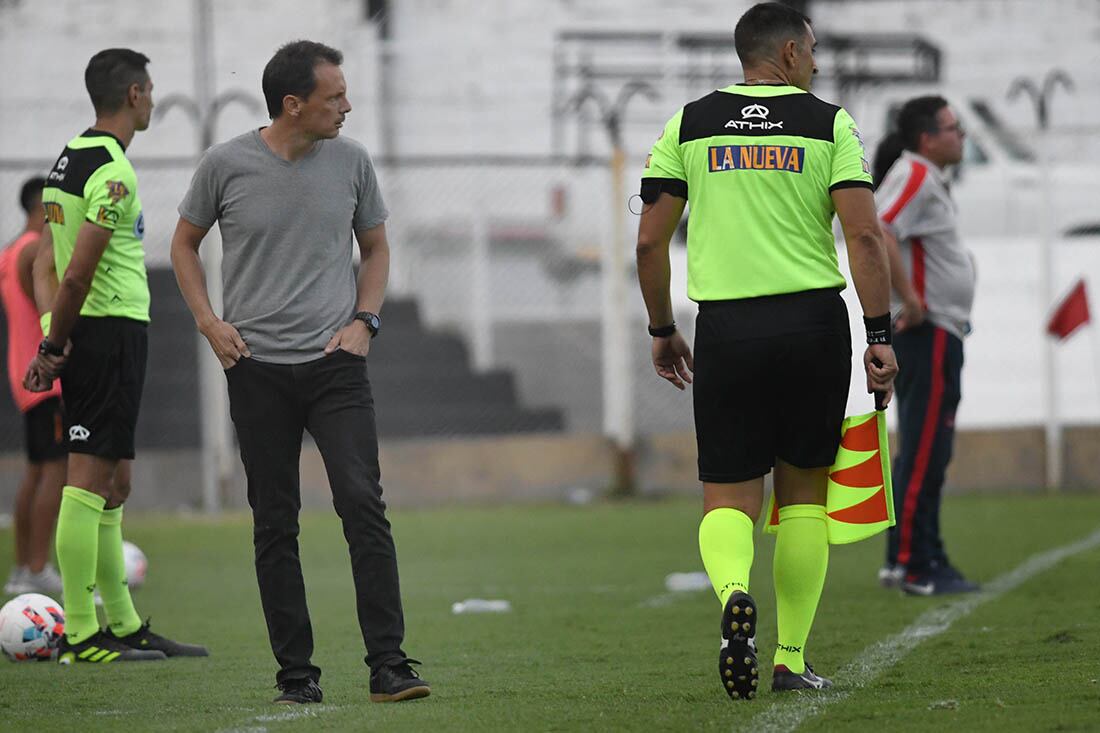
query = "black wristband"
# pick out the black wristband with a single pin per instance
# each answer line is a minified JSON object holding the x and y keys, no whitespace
{"x":879,"y":330}
{"x":663,"y":331}
{"x":48,"y":349}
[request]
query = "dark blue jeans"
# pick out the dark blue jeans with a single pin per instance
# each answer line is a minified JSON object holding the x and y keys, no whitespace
{"x":928,"y":392}
{"x":271,"y":405}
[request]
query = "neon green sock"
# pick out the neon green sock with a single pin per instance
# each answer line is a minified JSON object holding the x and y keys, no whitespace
{"x":801,"y":559}
{"x":725,"y":542}
{"x":111,"y":576}
{"x":77,"y":544}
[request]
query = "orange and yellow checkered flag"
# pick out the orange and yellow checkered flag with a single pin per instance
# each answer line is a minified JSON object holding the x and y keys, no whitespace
{"x":860,"y":501}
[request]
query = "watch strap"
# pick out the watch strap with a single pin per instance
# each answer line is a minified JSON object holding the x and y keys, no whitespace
{"x":370,"y":320}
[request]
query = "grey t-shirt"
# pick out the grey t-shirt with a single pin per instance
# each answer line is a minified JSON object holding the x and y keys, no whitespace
{"x":286,"y":229}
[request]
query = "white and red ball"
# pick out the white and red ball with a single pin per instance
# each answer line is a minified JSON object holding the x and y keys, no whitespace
{"x":136,"y":564}
{"x":31,"y":625}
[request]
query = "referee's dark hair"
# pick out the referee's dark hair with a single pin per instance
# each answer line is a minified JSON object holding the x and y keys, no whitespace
{"x":110,"y":74}
{"x":764,"y":28}
{"x":290,"y":71}
{"x":918,"y":116}
{"x":32,"y":189}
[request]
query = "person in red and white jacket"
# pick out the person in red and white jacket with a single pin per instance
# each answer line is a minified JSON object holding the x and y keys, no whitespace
{"x":933,"y":279}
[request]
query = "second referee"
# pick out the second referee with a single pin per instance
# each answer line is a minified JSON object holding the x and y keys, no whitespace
{"x":765,"y":166}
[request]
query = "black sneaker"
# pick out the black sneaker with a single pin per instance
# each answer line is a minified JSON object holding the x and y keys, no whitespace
{"x":102,"y":648}
{"x":951,"y":573}
{"x":396,"y":681}
{"x":784,"y":680}
{"x":737,"y":667}
{"x":890,"y":576}
{"x":145,"y":639}
{"x":298,"y":692}
{"x":938,"y":582}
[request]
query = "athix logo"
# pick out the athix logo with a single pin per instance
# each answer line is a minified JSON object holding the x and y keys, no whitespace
{"x":755,"y":117}
{"x":79,"y":433}
{"x":58,"y":172}
{"x":791,"y":649}
{"x":734,"y":584}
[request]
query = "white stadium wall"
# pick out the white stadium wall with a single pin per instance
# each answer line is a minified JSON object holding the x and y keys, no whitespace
{"x":475,"y":78}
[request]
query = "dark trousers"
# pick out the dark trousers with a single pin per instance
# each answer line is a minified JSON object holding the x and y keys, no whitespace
{"x":271,"y":405}
{"x":928,"y":392}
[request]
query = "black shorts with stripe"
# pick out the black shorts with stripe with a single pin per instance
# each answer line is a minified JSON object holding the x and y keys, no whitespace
{"x":44,"y":428}
{"x":771,"y":382}
{"x":102,"y":385}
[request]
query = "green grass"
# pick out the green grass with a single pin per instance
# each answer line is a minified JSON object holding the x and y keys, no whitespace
{"x":583,"y":649}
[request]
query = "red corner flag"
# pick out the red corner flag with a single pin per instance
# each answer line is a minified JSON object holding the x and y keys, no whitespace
{"x":1072,"y":312}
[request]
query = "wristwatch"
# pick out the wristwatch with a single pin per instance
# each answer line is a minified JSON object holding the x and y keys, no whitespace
{"x":48,"y":349}
{"x":372,"y":321}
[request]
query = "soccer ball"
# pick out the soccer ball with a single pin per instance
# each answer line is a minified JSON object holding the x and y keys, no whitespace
{"x":136,"y":564}
{"x":31,"y":625}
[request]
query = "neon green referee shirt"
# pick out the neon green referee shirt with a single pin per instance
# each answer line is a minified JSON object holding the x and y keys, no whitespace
{"x":93,"y":181}
{"x":757,"y":165}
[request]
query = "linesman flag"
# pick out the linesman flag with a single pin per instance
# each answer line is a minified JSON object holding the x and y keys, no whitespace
{"x":860,"y":501}
{"x":1071,"y":314}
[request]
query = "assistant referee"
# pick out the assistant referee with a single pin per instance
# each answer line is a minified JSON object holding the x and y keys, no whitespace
{"x":98,"y":336}
{"x":765,"y":166}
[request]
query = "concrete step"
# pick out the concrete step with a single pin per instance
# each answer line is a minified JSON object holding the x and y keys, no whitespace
{"x":466,"y":420}
{"x":394,"y":388}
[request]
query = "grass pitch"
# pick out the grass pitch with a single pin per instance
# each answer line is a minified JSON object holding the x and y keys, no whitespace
{"x":594,"y":642}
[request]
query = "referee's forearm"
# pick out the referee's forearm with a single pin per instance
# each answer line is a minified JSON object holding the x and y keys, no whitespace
{"x":44,"y":275}
{"x":66,"y":308}
{"x":654,"y":275}
{"x":870,"y":271}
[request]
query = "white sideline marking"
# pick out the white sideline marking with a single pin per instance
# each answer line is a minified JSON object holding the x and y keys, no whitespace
{"x":294,"y":713}
{"x":882,"y":655}
{"x":302,"y":712}
{"x":664,"y":599}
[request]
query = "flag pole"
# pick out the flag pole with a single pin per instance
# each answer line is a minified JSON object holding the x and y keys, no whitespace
{"x":1095,"y":339}
{"x":1053,"y":427}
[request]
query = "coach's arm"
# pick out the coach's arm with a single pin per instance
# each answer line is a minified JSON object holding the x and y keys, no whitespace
{"x":224,"y":339}
{"x":374,"y":273}
{"x":912,"y":313}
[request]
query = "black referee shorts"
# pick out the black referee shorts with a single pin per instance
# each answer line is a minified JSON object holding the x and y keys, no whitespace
{"x":771,"y":381}
{"x":44,"y":428}
{"x":102,"y":384}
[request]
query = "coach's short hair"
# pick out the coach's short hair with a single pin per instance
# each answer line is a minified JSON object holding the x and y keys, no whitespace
{"x":32,"y":189}
{"x":110,"y":74}
{"x":290,"y":71}
{"x":764,"y":28}
{"x":918,"y":116}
